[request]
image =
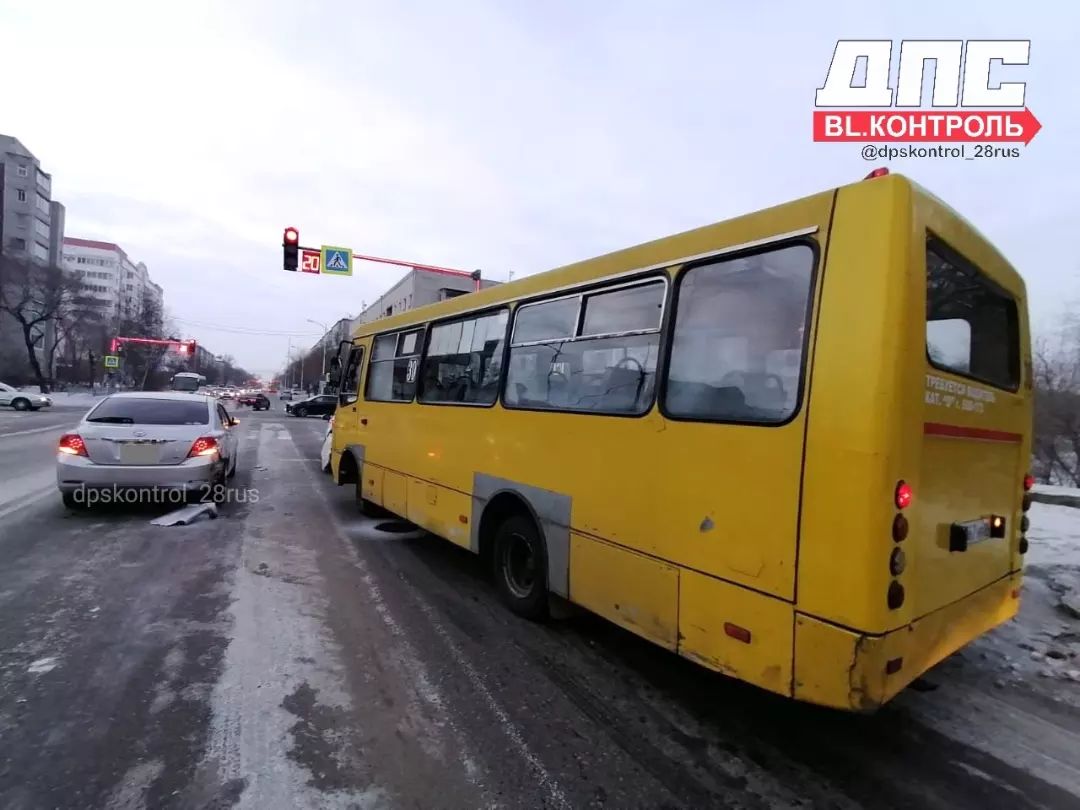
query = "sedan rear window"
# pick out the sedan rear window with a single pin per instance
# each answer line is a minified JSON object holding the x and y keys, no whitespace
{"x":132,"y":411}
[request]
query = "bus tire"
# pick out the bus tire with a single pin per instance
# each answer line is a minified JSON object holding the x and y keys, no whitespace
{"x":520,"y":564}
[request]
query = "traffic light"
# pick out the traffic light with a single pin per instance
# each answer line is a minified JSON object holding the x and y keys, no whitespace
{"x":290,"y":243}
{"x":187,"y":347}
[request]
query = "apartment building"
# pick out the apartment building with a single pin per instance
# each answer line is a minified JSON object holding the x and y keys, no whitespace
{"x":120,"y":286}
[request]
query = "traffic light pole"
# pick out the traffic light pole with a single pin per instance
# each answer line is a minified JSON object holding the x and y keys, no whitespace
{"x":291,"y":249}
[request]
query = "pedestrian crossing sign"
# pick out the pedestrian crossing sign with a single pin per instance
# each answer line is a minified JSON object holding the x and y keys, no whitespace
{"x":337,"y":261}
{"x":112,"y":361}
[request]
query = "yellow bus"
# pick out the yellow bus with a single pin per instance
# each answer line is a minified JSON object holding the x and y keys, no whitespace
{"x":791,"y":446}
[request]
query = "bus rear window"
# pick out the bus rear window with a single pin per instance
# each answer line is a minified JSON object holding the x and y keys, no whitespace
{"x":971,"y":322}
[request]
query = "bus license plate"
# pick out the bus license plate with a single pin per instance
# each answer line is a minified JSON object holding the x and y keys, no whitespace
{"x":962,"y":535}
{"x":140,"y":454}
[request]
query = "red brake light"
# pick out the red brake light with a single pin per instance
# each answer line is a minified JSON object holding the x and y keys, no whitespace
{"x":72,"y":444}
{"x":879,"y":172}
{"x":1029,"y":481}
{"x":203,"y":446}
{"x":903,"y":494}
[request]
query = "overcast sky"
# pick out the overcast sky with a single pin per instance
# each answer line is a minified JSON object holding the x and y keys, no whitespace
{"x":496,"y":135}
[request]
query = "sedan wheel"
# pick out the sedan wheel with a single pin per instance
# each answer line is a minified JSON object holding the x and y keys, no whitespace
{"x":300,"y":412}
{"x":21,"y":404}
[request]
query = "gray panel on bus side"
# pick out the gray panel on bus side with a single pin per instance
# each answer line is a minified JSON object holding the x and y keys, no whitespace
{"x":357,"y":451}
{"x":552,"y":511}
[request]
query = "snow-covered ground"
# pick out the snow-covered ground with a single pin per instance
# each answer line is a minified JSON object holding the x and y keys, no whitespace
{"x":1055,"y":533}
{"x":1039,"y":650}
{"x":1051,"y":489}
{"x":73,"y":399}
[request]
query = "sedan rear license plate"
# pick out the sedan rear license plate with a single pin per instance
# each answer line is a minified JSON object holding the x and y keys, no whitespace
{"x":140,"y":454}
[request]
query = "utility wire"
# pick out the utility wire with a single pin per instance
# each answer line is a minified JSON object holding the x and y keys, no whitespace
{"x":243,"y":330}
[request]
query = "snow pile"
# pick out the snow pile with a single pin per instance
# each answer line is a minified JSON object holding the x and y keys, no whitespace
{"x":1048,"y":629}
{"x":1054,"y":535}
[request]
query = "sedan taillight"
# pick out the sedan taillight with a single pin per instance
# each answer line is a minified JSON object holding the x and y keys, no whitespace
{"x":72,"y":444}
{"x":204,"y":446}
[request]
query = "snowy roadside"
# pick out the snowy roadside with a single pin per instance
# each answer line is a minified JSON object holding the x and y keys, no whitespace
{"x":77,"y":399}
{"x":1040,"y":649}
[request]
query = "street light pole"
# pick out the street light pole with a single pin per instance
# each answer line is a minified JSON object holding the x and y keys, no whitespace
{"x":322,"y":342}
{"x":288,"y":365}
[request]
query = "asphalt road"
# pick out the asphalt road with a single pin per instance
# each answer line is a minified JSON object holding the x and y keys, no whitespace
{"x":291,"y":654}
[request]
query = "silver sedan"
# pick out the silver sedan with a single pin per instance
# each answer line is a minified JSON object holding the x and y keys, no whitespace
{"x":135,"y":442}
{"x":22,"y":400}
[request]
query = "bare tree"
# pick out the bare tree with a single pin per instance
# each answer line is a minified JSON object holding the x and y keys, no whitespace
{"x":79,"y":325}
{"x":34,"y":295}
{"x":1056,"y":445}
{"x":143,"y":362}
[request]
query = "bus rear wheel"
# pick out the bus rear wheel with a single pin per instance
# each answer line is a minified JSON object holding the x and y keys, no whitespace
{"x":520,"y":562}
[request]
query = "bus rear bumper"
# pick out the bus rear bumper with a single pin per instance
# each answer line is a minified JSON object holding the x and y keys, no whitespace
{"x":847,"y":670}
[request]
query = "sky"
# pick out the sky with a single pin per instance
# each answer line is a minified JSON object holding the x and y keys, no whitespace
{"x":505,"y":136}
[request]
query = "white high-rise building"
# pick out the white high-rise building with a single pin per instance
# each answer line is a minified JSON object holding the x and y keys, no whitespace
{"x":120,"y":285}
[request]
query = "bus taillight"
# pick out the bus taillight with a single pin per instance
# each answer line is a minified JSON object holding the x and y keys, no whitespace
{"x":1025,"y":505}
{"x":899,"y":528}
{"x":903,"y":495}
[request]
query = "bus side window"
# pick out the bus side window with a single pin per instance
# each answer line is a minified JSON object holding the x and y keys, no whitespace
{"x":350,"y":379}
{"x":463,"y":362}
{"x":593,"y":353}
{"x":392,"y":371}
{"x":737,"y":344}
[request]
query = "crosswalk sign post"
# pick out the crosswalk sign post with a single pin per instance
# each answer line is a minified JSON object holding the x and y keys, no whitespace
{"x":336,"y":261}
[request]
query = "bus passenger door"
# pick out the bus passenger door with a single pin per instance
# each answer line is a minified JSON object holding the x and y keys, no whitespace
{"x":347,"y":418}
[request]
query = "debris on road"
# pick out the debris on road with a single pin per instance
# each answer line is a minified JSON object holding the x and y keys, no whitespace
{"x":187,"y":515}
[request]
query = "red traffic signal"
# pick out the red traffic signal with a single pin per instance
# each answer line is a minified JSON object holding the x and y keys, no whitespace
{"x":187,"y":347}
{"x":290,"y":244}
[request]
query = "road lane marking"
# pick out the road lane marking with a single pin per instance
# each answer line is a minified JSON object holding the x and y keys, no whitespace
{"x":554,"y":793}
{"x":29,"y":497}
{"x":35,"y":430}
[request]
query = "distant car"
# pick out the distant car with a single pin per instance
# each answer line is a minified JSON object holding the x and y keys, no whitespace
{"x":22,"y":400}
{"x":148,"y":441}
{"x":313,"y":406}
{"x":285,"y":396}
{"x":257,"y":402}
